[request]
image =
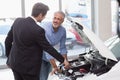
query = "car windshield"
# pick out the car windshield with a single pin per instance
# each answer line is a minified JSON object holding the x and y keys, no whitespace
{"x":4,"y":29}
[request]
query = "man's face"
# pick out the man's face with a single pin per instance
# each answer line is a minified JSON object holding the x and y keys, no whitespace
{"x":57,"y":20}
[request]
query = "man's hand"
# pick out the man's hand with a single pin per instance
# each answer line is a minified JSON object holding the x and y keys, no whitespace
{"x":54,"y":66}
{"x":67,"y":64}
{"x":53,"y":71}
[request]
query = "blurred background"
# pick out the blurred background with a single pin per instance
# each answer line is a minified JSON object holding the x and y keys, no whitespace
{"x":100,"y":16}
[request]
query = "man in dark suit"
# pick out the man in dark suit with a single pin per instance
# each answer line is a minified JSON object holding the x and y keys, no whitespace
{"x":25,"y":43}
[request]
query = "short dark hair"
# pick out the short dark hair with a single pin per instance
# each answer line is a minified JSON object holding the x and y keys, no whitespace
{"x":39,"y":8}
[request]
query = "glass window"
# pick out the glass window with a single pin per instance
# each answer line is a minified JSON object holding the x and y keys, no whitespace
{"x":10,"y":8}
{"x":80,"y":9}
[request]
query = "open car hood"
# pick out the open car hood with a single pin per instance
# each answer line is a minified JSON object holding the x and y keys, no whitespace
{"x":91,"y":39}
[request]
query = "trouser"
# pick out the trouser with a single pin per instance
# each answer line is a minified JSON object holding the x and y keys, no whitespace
{"x":21,"y":76}
{"x":45,"y":70}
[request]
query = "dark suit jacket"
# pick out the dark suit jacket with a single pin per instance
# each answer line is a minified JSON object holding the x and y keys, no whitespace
{"x":25,"y":44}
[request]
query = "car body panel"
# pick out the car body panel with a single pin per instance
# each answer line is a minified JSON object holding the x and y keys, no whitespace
{"x":95,"y":41}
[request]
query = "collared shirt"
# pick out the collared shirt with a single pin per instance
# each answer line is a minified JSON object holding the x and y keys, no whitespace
{"x":56,"y":39}
{"x":34,"y":19}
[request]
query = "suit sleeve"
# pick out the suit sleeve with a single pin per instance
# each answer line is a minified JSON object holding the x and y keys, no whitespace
{"x":8,"y":42}
{"x":42,"y":41}
{"x":9,"y":39}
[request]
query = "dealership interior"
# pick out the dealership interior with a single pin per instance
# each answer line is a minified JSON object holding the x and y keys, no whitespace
{"x":100,"y":16}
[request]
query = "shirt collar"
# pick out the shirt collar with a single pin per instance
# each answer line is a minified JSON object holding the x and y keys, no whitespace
{"x":33,"y":19}
{"x":53,"y":29}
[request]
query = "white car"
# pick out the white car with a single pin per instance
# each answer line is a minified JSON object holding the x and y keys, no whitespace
{"x":95,"y":62}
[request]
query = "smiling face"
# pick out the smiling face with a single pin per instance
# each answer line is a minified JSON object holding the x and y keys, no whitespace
{"x":58,"y":19}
